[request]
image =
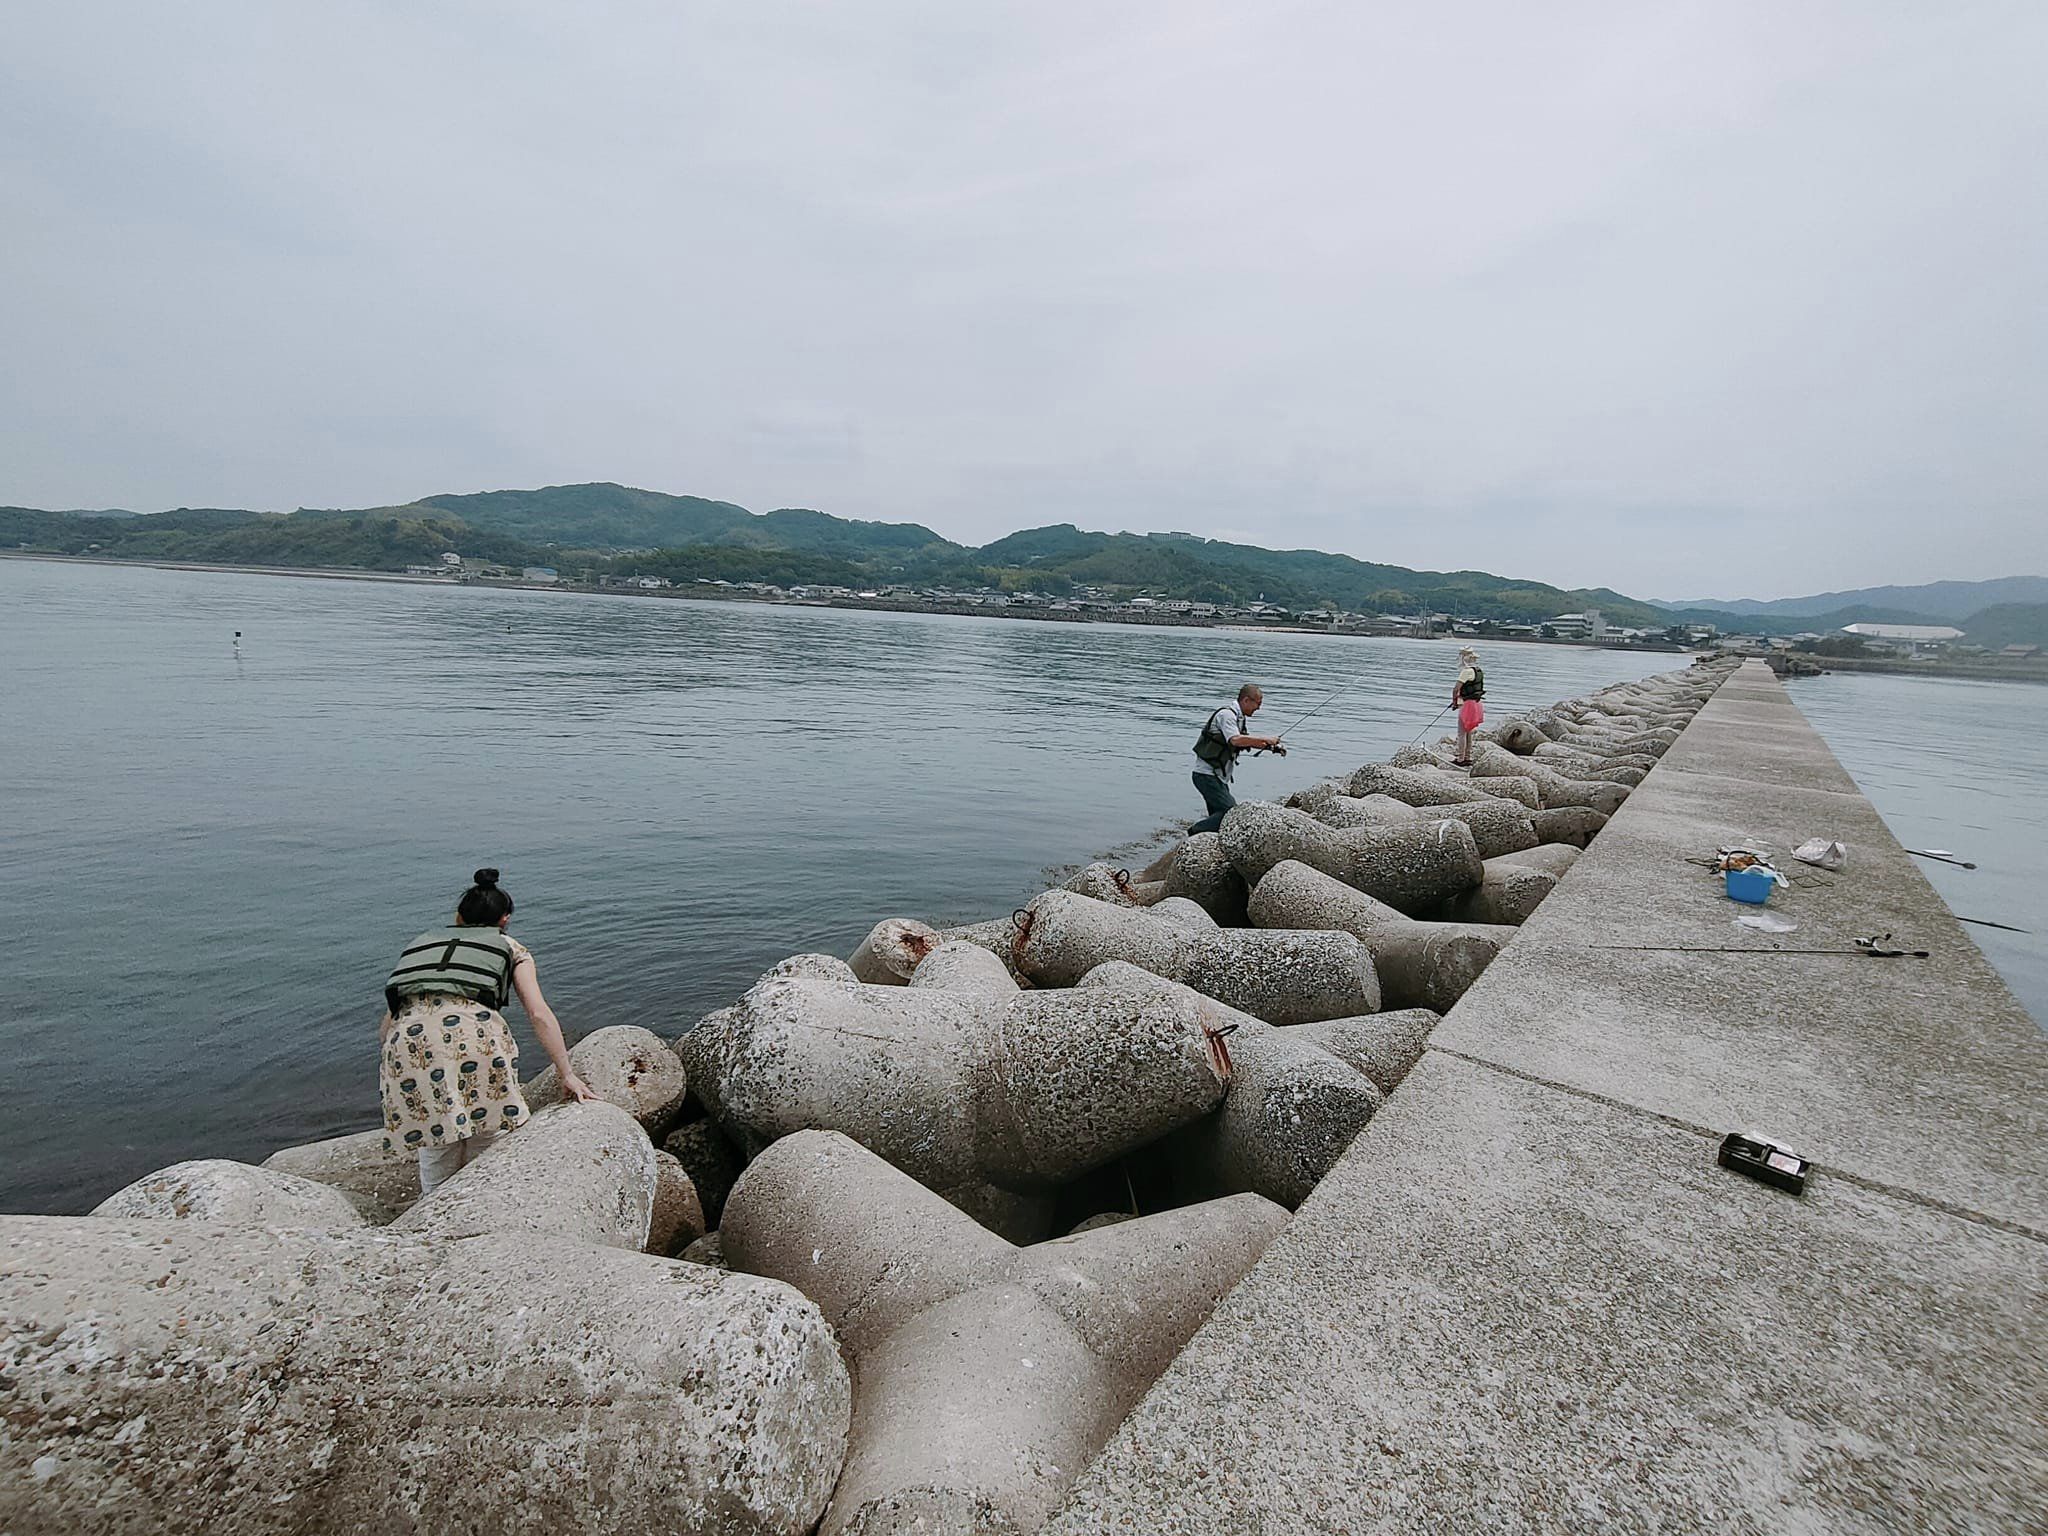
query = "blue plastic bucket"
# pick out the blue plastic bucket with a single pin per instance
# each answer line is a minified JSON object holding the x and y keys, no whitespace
{"x":1750,"y":885}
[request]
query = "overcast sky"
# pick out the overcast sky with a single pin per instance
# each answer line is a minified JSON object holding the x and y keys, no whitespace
{"x":1713,"y":299}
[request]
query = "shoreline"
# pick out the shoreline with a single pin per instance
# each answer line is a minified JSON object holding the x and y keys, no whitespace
{"x":942,"y":610}
{"x":1992,"y":672}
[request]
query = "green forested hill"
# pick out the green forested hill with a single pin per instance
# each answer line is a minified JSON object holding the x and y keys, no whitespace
{"x":368,"y":541}
{"x":617,"y":529}
{"x":2008,"y":624}
{"x":616,"y":517}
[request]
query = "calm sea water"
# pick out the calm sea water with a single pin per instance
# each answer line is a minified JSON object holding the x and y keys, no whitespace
{"x":1957,"y":766}
{"x":210,"y":856}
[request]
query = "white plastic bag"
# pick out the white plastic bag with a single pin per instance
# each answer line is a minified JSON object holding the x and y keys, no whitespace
{"x":1822,"y":853}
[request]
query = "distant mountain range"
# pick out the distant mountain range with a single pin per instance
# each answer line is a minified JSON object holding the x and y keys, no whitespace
{"x":1933,"y":602}
{"x":615,"y":529}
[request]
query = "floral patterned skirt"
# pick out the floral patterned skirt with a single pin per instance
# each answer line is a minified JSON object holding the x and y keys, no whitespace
{"x":447,"y":1069}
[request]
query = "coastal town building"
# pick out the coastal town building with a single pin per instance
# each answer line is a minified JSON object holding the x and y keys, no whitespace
{"x":1904,"y":639}
{"x":1578,"y":626}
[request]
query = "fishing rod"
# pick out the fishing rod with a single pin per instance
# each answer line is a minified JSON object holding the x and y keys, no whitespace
{"x":1878,"y":945}
{"x":1941,"y":855}
{"x":1432,"y":723}
{"x":1346,"y":688}
{"x":1341,"y":691}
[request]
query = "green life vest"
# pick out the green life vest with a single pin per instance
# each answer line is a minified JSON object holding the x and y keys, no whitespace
{"x":460,"y":962}
{"x":1212,"y":746}
{"x":1475,"y":689}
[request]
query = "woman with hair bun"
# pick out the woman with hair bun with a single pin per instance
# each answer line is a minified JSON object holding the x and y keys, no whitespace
{"x":448,"y":1067}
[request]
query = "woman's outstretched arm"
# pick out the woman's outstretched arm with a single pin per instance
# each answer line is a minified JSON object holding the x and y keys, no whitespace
{"x":526,"y":982}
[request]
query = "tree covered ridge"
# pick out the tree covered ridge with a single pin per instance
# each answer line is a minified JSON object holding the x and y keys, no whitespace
{"x":618,"y":530}
{"x":605,"y":529}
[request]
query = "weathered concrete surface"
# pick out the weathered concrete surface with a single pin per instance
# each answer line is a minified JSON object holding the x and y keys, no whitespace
{"x":987,"y":1373}
{"x":189,"y":1377}
{"x":1509,"y":894}
{"x":1925,"y":1075}
{"x":1285,"y":977}
{"x":1420,"y":965}
{"x":378,"y":1183}
{"x":1384,"y":1046}
{"x":1527,"y":1299}
{"x":1023,"y":1091}
{"x":959,"y":965}
{"x":1409,"y":866}
{"x":1293,"y":1106}
{"x":215,"y":1189}
{"x":677,"y":1219}
{"x":581,"y":1171}
{"x":623,"y":1065}
{"x":710,"y":1159}
{"x":1202,"y":872}
{"x":892,"y":950}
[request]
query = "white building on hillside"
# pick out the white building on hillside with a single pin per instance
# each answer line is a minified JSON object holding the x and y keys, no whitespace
{"x":1579,"y":626}
{"x":1916,"y":634}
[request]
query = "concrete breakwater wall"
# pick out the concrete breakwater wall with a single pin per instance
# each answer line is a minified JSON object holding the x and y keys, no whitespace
{"x":803,"y":1267}
{"x":1527,"y":1299}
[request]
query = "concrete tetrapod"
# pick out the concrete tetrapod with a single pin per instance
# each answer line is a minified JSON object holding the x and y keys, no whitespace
{"x":197,"y":1379}
{"x":378,"y":1183}
{"x":1554,"y":859}
{"x":1589,"y":768}
{"x":892,"y":950}
{"x":1570,"y":824}
{"x":1489,"y":760}
{"x":997,"y":935}
{"x":1517,"y":736}
{"x":1202,"y":872}
{"x":1292,"y":1109}
{"x":214,"y":1189}
{"x":1383,"y":1047}
{"x":1439,"y":767}
{"x":1281,"y":978}
{"x":1411,"y":867}
{"x":1023,"y":1091}
{"x":1498,"y":826}
{"x":817,"y":967}
{"x":1336,"y":809}
{"x":1106,"y":882}
{"x":582,"y":1171}
{"x":960,"y":966}
{"x":1420,"y":964}
{"x":1555,"y":754}
{"x":1413,"y":786}
{"x":988,"y":1374}
{"x":1178,"y":909}
{"x":623,"y":1065}
{"x":1510,"y":892}
{"x":677,"y":1218}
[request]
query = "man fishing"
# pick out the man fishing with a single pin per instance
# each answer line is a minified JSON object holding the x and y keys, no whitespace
{"x":1223,"y":737}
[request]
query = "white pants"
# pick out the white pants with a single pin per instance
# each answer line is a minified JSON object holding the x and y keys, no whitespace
{"x":440,"y":1164}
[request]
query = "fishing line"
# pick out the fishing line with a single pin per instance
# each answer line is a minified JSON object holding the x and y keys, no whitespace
{"x":1341,"y":691}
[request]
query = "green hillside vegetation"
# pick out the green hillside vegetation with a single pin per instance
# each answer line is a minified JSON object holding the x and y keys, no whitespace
{"x":2008,"y":624}
{"x":604,"y":529}
{"x":373,"y":542}
{"x":608,"y":518}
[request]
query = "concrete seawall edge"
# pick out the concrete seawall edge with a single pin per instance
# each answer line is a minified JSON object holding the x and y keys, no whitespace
{"x":1527,"y":1299}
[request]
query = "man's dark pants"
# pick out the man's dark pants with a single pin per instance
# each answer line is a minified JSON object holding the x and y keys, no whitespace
{"x":1217,"y":796}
